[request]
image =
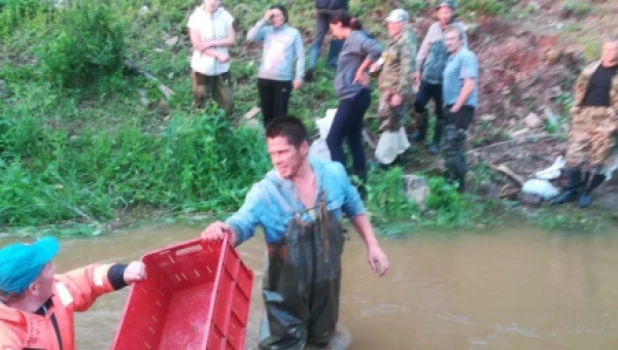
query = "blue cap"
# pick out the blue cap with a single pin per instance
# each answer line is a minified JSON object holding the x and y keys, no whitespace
{"x":21,"y":264}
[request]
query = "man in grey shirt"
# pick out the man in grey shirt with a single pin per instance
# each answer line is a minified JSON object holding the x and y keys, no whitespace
{"x":430,"y":62}
{"x":460,"y":92}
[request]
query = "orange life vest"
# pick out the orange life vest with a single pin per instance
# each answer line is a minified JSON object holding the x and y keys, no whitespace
{"x":73,"y":291}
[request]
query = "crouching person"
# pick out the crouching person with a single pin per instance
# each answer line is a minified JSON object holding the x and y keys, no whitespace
{"x":594,"y":127}
{"x":37,"y":306}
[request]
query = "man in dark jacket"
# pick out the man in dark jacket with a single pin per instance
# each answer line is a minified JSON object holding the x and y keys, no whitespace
{"x":325,"y":9}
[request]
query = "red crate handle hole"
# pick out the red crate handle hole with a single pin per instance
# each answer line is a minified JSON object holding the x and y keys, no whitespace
{"x":188,"y":250}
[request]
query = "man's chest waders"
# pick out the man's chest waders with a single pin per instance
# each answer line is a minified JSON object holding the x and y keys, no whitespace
{"x":302,"y":283}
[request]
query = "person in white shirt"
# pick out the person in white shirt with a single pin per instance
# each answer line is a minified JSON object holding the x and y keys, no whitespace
{"x":212,"y":32}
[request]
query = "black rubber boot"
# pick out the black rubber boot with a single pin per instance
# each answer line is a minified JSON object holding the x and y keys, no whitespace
{"x":309,"y":75}
{"x":585,"y":200}
{"x":569,"y":192}
{"x":454,"y":156}
{"x":421,"y":128}
{"x":434,"y":147}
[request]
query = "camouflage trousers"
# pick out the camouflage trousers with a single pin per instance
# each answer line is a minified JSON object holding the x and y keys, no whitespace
{"x":455,"y":135}
{"x":592,"y":138}
{"x":390,"y":117}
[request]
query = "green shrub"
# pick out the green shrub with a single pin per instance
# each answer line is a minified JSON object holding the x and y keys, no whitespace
{"x":85,"y":43}
{"x":197,"y":163}
{"x":15,"y":12}
{"x":486,"y":7}
{"x":578,"y":8}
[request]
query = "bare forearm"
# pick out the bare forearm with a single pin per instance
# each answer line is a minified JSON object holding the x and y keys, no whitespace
{"x":209,"y":52}
{"x":365,"y":65}
{"x":222,"y":43}
{"x":363,"y":227}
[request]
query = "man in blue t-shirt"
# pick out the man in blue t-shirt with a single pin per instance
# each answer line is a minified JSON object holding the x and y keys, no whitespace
{"x":460,"y":93}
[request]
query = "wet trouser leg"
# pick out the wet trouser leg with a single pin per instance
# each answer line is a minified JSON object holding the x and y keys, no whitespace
{"x":455,"y":134}
{"x":217,"y":86}
{"x":199,"y":85}
{"x":223,"y":93}
{"x":301,"y":285}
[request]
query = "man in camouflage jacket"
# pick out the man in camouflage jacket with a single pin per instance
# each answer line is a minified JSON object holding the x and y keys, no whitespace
{"x":594,"y":127}
{"x":398,"y":61}
{"x":397,"y":73}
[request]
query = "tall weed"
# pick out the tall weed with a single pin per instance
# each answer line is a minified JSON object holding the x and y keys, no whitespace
{"x":85,"y":43}
{"x":196,"y":163}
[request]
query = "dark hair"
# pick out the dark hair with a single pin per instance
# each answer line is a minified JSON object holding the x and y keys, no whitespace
{"x":343,"y":17}
{"x":291,"y":128}
{"x":282,"y":9}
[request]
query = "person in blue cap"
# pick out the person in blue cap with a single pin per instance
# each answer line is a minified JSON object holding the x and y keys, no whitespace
{"x":37,"y":306}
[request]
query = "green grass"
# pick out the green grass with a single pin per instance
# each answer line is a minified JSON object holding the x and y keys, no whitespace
{"x":82,"y":142}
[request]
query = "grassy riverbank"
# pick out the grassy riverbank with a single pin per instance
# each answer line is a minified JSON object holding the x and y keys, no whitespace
{"x":83,"y":142}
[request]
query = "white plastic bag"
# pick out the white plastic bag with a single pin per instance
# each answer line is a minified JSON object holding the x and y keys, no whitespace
{"x":390,"y":145}
{"x":319,"y":147}
{"x":553,"y":172}
{"x":325,"y":123}
{"x":542,"y":188}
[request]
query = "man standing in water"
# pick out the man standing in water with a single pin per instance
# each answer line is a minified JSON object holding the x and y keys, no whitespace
{"x":36,"y":306}
{"x":594,"y":127}
{"x":430,"y":62}
{"x":460,"y":91}
{"x":299,"y":205}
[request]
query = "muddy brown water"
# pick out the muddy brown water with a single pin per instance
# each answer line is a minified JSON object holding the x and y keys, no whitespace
{"x":516,"y":288}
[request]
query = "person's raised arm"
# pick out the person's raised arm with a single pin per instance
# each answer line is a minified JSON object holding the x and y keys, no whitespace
{"x":259,"y":29}
{"x":80,"y":288}
{"x":423,"y":51}
{"x":241,"y":225}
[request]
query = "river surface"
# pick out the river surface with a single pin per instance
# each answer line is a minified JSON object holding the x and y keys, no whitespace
{"x":516,"y":288}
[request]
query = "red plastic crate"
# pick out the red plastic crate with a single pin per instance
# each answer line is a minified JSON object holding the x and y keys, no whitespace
{"x":196,"y":297}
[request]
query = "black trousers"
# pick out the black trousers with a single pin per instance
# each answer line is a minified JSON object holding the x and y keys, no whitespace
{"x":428,"y":92}
{"x":274,"y":98}
{"x":348,"y":124}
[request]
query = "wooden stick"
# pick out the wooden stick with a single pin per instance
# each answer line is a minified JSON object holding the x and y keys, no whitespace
{"x":523,"y":138}
{"x":503,"y":169}
{"x":166,"y":91}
